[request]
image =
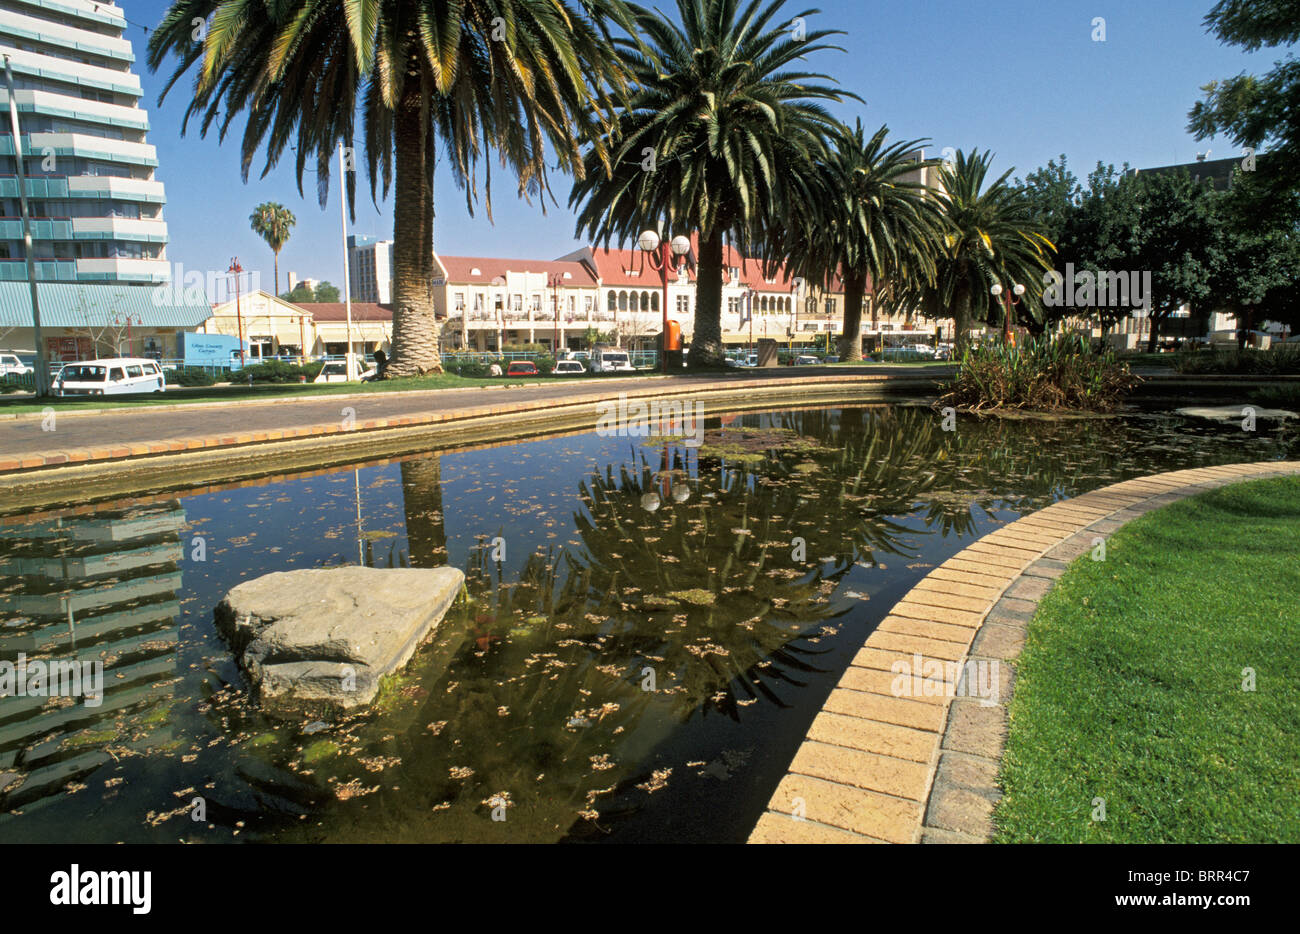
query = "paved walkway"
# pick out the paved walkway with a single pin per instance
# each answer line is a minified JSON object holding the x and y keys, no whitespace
{"x":876,"y":767}
{"x":27,"y":443}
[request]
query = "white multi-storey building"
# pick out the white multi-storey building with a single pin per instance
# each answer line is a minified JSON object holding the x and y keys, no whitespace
{"x":370,"y":269}
{"x":96,"y":206}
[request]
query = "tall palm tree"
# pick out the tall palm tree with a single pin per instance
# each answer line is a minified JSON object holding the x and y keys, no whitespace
{"x":869,"y":221}
{"x":990,"y":237}
{"x":530,"y":79}
{"x":272,"y":222}
{"x":723,"y":114}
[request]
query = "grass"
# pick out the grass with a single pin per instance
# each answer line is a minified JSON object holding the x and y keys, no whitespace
{"x":1130,"y":687}
{"x":273,"y":391}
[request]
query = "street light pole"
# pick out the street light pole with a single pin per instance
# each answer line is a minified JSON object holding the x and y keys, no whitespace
{"x":649,"y":243}
{"x":42,"y":369}
{"x":235,"y":269}
{"x":998,"y":292}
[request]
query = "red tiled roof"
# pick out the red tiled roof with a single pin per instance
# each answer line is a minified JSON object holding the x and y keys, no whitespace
{"x":460,"y":269}
{"x":337,"y":311}
{"x":631,"y":267}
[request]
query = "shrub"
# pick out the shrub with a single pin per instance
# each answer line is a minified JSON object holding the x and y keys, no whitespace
{"x":190,"y":376}
{"x":1279,"y":361}
{"x":276,"y":371}
{"x":1044,"y":373}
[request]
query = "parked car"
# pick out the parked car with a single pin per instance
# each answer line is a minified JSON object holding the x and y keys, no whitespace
{"x":522,"y":368}
{"x":113,"y":377}
{"x":12,"y":365}
{"x":611,"y":361}
{"x":806,"y":360}
{"x":568,"y":368}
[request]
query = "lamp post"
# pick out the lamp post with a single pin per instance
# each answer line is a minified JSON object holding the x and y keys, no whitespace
{"x":554,"y":280}
{"x":998,"y":292}
{"x":235,"y":269}
{"x":650,"y":242}
{"x":127,"y":319}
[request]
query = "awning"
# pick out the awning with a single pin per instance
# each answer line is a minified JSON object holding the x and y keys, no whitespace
{"x":77,"y":305}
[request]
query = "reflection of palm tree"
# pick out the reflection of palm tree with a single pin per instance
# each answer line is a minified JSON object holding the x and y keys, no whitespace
{"x":426,"y":531}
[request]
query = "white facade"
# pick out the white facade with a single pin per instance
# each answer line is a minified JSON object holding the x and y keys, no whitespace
{"x":370,"y":269}
{"x":95,"y":204}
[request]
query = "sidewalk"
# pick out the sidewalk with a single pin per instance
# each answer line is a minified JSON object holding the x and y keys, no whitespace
{"x":35,"y":442}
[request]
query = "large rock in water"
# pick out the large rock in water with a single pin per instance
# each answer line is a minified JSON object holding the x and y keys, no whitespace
{"x":320,"y":639}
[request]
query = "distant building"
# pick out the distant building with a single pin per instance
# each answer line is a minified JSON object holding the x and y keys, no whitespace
{"x":370,"y":269}
{"x":1215,"y":172}
{"x":273,"y":327}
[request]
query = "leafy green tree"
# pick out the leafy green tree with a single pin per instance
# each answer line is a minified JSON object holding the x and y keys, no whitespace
{"x":867,"y":222}
{"x":532,"y":80}
{"x":1178,"y":241}
{"x":1260,"y":253}
{"x":325,"y":292}
{"x":716,"y":139}
{"x":990,"y":237}
{"x":1256,"y":111}
{"x":272,"y":222}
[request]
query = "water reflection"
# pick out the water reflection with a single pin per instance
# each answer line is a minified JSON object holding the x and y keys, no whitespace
{"x":648,"y":629}
{"x":100,"y":590}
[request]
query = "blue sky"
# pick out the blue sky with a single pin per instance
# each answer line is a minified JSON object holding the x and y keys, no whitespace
{"x":1023,"y":78}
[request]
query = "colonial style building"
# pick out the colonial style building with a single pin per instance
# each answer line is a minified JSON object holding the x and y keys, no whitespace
{"x":273,"y":327}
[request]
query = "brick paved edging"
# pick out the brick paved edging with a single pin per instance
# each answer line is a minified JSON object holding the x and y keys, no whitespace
{"x":877,"y":768}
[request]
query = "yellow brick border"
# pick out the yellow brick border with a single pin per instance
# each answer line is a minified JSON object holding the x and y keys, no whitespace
{"x":876,"y":768}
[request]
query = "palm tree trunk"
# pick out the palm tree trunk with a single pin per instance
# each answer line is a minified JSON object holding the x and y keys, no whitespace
{"x":961,"y":312}
{"x":415,"y":327}
{"x":276,"y":254}
{"x":855,"y":287}
{"x":706,"y":342}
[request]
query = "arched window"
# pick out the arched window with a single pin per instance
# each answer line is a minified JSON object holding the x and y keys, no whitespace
{"x":613,"y":300}
{"x":622,"y":301}
{"x":645,"y":301}
{"x":654,"y":301}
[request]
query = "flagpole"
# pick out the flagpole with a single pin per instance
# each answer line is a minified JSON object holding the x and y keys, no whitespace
{"x":347,"y":274}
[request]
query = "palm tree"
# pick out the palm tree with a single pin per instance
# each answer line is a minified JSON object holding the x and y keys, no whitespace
{"x":532,"y":80}
{"x":271,"y":222}
{"x":990,"y":237}
{"x":722,"y":116}
{"x":867,"y":222}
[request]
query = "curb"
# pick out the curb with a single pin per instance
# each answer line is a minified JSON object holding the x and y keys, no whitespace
{"x":878,"y":768}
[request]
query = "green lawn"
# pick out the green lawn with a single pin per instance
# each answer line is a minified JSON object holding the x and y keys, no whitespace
{"x":1130,"y":685}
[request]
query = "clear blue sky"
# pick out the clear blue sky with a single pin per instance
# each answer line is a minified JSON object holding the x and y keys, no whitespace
{"x":1021,"y":77}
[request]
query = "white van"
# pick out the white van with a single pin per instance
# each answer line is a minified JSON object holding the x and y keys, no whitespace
{"x":116,"y":377}
{"x":611,"y":360}
{"x":12,"y":365}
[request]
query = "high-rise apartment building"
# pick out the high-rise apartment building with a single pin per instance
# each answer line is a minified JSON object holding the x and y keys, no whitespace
{"x":370,"y":269}
{"x":95,"y":204}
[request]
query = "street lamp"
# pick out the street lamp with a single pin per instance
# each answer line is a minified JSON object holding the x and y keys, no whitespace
{"x":997,"y":291}
{"x":554,"y":280}
{"x":649,"y":243}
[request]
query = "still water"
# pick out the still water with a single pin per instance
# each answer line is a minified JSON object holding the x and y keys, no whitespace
{"x":648,"y":631}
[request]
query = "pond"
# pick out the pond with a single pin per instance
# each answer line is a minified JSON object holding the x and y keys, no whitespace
{"x":648,"y":630}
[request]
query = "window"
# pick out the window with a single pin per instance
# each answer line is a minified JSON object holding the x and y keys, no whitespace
{"x":654,"y":301}
{"x":115,"y":374}
{"x":613,"y":300}
{"x":588,"y":304}
{"x":460,"y":301}
{"x":734,"y":305}
{"x":683,"y":304}
{"x":516,"y":302}
{"x":134,"y":371}
{"x":830,"y":306}
{"x":622,"y":301}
